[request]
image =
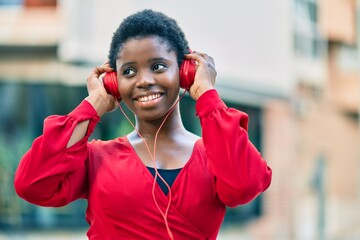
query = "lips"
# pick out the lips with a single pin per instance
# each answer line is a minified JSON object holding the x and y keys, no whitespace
{"x":148,"y":97}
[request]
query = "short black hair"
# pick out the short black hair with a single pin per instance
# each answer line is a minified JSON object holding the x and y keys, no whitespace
{"x":147,"y":23}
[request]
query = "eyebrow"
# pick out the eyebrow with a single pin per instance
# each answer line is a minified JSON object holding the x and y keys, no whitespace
{"x":150,"y":60}
{"x":127,"y":63}
{"x":158,"y":59}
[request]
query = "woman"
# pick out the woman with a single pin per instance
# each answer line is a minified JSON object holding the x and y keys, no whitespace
{"x":127,"y":199}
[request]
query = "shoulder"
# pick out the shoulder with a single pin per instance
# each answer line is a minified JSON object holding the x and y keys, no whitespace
{"x":102,"y":145}
{"x":189,"y":141}
{"x":106,"y":153}
{"x":199,"y":148}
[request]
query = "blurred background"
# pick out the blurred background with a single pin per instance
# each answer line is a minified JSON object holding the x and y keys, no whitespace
{"x":292,"y":65}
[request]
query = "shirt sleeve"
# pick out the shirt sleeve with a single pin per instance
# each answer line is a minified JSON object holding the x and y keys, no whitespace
{"x":241,"y":173}
{"x":50,"y":174}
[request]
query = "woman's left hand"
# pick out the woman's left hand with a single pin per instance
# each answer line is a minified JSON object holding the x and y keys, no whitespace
{"x":205,"y":74}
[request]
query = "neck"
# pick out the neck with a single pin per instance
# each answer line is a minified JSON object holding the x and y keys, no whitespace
{"x":172,"y":125}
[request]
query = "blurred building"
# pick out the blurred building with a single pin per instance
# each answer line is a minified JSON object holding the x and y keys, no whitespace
{"x":292,"y":65}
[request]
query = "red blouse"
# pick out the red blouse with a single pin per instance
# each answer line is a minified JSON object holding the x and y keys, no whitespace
{"x":225,"y":169}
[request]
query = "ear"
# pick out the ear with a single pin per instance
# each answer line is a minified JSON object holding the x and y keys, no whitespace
{"x":187,"y":73}
{"x":111,"y":84}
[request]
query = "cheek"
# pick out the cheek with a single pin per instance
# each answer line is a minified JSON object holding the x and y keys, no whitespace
{"x":173,"y":78}
{"x":123,"y":86}
{"x":124,"y":90}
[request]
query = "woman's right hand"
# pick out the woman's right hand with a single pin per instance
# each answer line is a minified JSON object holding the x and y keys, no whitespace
{"x":98,"y":97}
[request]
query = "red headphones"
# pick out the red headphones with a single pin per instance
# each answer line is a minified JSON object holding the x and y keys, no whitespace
{"x":186,"y":75}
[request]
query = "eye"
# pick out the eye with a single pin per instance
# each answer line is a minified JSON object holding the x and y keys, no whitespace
{"x":128,"y":72}
{"x":159,"y":67}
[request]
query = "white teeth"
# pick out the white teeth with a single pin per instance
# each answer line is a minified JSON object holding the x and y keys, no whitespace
{"x":148,"y":98}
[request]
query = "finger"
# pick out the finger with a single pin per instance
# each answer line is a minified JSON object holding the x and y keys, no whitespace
{"x":206,"y":56}
{"x":210,"y":61}
{"x":104,"y":68}
{"x":107,"y":66}
{"x":201,"y":58}
{"x":106,"y":62}
{"x":92,"y":83}
{"x":100,"y":70}
{"x":195,"y":56}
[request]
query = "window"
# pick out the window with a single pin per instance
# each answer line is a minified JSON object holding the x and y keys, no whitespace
{"x":308,"y":41}
{"x":37,"y":3}
{"x":11,"y":3}
{"x":28,"y":3}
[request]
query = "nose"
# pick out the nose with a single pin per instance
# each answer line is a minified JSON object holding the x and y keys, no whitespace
{"x":145,"y":80}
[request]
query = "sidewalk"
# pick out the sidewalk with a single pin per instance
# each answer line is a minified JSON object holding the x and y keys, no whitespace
{"x":44,"y":236}
{"x":228,"y":234}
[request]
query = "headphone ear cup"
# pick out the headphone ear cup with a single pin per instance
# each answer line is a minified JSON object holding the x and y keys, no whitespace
{"x":111,"y":84}
{"x":187,"y":73}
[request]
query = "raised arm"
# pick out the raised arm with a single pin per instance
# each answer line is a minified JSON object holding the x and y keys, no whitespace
{"x":53,"y":171}
{"x":241,"y":173}
{"x":50,"y":173}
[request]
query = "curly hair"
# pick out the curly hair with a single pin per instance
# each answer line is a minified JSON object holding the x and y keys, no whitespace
{"x":147,"y":23}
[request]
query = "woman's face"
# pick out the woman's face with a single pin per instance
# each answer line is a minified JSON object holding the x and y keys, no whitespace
{"x":148,"y":76}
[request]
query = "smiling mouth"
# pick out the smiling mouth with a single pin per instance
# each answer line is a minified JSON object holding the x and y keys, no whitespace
{"x":148,"y":98}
